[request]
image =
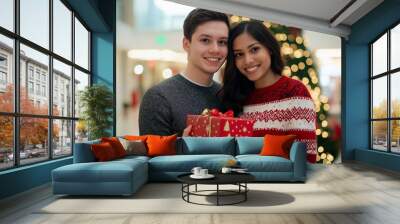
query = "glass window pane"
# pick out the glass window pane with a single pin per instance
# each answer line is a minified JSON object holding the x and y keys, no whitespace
{"x":81,"y":81}
{"x":62,"y":29}
{"x":33,"y":139}
{"x":379,"y":97}
{"x":379,"y":135}
{"x":62,"y":89}
{"x":6,"y":142}
{"x":35,"y":21}
{"x":6,"y":74}
{"x":81,"y":45}
{"x":395,"y":47}
{"x":34,"y":96}
{"x":379,"y":55}
{"x":395,"y":95}
{"x":81,"y":131}
{"x":7,"y":14}
{"x":395,"y":136}
{"x":62,"y":138}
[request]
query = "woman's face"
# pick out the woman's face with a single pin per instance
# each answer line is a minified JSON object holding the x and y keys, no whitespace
{"x":251,"y":57}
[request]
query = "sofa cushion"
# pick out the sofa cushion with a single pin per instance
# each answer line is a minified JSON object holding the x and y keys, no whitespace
{"x":207,"y":145}
{"x":257,"y":163}
{"x":93,"y":172}
{"x":134,"y":147}
{"x":135,"y":137}
{"x":116,"y":145}
{"x":185,"y":163}
{"x":130,"y":158}
{"x":249,"y":145}
{"x":103,"y":152}
{"x":112,"y":171}
{"x":277,"y":145}
{"x":118,"y":177}
{"x":161,"y":145}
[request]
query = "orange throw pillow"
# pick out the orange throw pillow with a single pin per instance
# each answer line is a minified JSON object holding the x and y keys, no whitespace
{"x":135,"y":138}
{"x":103,"y":152}
{"x":116,"y":145}
{"x":161,"y":145}
{"x":277,"y":145}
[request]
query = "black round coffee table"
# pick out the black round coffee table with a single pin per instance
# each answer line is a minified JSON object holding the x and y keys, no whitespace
{"x":238,"y":179}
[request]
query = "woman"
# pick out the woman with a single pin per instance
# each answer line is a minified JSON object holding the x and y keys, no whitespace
{"x":254,"y":87}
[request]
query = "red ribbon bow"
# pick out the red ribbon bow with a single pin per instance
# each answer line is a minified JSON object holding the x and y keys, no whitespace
{"x":216,"y":113}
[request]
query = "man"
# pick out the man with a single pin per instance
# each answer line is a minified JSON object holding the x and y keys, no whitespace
{"x":164,"y":107}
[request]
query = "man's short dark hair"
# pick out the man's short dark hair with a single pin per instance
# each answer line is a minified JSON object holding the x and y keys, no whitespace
{"x":199,"y":16}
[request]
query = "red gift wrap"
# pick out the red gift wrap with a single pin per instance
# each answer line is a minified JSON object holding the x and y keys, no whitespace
{"x":219,"y":126}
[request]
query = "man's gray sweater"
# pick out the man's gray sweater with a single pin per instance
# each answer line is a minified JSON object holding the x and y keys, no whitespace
{"x":164,"y":107}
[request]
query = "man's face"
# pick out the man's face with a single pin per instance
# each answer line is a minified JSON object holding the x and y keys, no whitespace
{"x":208,"y":48}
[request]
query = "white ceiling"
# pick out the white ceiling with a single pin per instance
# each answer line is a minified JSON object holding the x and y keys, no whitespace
{"x":324,"y":9}
{"x":327,"y":16}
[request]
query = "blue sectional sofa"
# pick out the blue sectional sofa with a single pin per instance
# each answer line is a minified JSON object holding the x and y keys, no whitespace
{"x":125,"y":176}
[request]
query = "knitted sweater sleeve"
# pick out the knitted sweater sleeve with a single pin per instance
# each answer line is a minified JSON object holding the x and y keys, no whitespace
{"x":307,"y":136}
{"x":155,"y":114}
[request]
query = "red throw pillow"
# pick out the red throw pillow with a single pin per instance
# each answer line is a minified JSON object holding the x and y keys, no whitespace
{"x":103,"y":152}
{"x":161,"y":145}
{"x":116,"y":145}
{"x":277,"y":145}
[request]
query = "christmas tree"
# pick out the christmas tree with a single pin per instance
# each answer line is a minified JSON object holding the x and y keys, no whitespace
{"x":300,"y":65}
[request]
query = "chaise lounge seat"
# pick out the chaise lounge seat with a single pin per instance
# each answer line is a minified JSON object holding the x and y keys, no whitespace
{"x":118,"y":177}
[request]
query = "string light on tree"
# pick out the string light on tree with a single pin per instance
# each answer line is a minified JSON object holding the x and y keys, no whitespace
{"x":294,"y":68}
{"x":305,"y":80}
{"x":235,"y":19}
{"x":302,"y":66}
{"x":298,"y":53}
{"x":267,"y":24}
{"x":299,"y":40}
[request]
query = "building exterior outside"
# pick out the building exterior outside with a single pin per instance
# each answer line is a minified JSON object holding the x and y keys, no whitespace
{"x":34,"y":81}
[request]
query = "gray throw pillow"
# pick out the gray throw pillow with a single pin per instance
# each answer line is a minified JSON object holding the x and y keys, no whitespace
{"x":134,"y":147}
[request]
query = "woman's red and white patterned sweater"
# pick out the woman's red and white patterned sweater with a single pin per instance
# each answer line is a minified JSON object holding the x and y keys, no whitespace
{"x":284,"y":108}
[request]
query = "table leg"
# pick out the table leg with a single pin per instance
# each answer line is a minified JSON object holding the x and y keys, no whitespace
{"x":182,"y":190}
{"x":245,"y":193}
{"x":188,"y":190}
{"x":217,"y":194}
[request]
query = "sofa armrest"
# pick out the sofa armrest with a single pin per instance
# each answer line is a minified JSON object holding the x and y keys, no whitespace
{"x":298,"y":155}
{"x":83,"y":152}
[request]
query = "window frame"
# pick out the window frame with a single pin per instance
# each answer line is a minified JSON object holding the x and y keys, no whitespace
{"x":388,"y":74}
{"x":51,"y":118}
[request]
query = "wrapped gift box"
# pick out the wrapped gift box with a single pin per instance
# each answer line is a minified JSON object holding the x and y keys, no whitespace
{"x":213,"y":126}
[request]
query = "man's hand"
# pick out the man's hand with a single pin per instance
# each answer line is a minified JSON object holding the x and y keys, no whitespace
{"x":186,"y":131}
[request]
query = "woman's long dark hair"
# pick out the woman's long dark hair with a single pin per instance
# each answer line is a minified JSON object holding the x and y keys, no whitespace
{"x":236,"y":87}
